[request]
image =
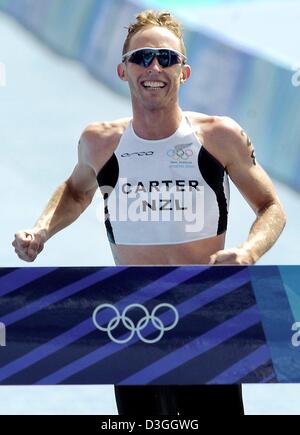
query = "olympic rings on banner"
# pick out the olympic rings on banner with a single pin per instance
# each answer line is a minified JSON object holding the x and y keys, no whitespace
{"x":129,"y":324}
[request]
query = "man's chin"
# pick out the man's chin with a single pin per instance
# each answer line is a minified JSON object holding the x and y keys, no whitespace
{"x":154,"y":106}
{"x":153,"y":101}
{"x":150,"y":102}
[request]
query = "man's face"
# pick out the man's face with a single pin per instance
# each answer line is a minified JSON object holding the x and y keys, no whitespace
{"x":140,"y":78}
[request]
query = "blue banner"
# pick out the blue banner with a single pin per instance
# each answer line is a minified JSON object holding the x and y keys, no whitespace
{"x":149,"y":325}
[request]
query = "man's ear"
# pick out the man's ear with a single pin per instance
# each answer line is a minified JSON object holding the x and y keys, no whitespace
{"x":122,"y":72}
{"x":185,"y":73}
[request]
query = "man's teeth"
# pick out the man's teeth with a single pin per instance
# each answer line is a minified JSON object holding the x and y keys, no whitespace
{"x":154,"y":84}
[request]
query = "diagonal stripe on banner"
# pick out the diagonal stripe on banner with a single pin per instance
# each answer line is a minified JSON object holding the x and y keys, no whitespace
{"x":202,"y":299}
{"x":200,"y":345}
{"x":21,"y":277}
{"x":151,"y":290}
{"x":59,"y":295}
{"x":268,"y":379}
{"x":243,"y":367}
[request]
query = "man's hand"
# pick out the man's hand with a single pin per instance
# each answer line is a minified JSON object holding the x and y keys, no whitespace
{"x":236,"y":256}
{"x":28,"y":244}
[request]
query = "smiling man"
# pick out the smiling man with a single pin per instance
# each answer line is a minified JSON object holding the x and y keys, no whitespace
{"x":164,"y":175}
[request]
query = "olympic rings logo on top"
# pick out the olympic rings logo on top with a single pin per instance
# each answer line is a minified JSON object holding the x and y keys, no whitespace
{"x":129,"y":324}
{"x":181,"y":152}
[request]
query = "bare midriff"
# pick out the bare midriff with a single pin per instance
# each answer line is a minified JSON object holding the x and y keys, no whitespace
{"x":197,"y":252}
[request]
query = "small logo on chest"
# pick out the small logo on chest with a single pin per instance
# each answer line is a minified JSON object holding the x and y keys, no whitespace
{"x":181,"y":154}
{"x":139,"y":154}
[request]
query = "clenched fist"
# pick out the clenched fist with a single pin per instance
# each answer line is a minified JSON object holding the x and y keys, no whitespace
{"x":28,"y":244}
{"x":237,"y":256}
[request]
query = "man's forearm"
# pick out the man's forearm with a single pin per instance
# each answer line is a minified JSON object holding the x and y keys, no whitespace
{"x":265,"y":231}
{"x":62,"y":210}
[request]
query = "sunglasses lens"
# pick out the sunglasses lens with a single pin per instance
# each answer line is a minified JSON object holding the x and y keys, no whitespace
{"x":145,"y":57}
{"x":137,"y":58}
{"x":148,"y":57}
{"x":164,"y":58}
{"x":174,"y":58}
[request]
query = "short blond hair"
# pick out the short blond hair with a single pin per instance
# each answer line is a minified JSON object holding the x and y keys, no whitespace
{"x":150,"y":18}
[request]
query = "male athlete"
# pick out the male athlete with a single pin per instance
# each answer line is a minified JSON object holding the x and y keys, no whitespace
{"x":164,"y":176}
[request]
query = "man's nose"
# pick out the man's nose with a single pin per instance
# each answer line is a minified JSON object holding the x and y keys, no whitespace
{"x":155,"y":66}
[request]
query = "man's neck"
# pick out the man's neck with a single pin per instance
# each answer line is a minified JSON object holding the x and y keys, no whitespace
{"x":155,"y":125}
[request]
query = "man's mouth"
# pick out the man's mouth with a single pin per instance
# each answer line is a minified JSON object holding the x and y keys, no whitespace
{"x":153,"y":84}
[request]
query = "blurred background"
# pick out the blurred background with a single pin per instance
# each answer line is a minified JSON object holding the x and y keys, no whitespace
{"x":58,"y":73}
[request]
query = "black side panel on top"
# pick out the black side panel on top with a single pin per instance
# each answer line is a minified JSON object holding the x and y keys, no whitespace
{"x":213,"y":173}
{"x":107,"y":179}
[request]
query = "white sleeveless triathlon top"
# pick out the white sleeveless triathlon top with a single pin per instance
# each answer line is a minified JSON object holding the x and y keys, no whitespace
{"x":161,"y":192}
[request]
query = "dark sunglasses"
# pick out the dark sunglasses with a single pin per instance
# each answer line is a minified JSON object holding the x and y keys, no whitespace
{"x":144,"y":57}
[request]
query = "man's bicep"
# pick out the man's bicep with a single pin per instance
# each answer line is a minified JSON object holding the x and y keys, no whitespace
{"x":253,"y":183}
{"x":83,"y":179}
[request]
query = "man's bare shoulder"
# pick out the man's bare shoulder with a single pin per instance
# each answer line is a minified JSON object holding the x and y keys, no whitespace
{"x":200,"y":119}
{"x":220,"y":127}
{"x":104,"y":133}
{"x":99,"y":141}
{"x":223,"y":137}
